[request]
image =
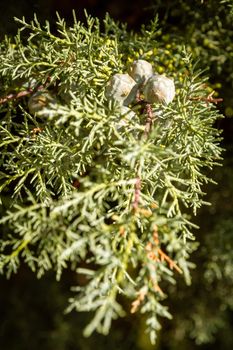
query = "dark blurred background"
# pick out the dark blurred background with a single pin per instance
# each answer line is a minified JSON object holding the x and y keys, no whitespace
{"x":132,"y":12}
{"x":31,"y":310}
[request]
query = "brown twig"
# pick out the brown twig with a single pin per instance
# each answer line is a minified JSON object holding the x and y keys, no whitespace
{"x":155,"y":253}
{"x":149,"y":120}
{"x":136,"y":303}
{"x":148,"y":125}
{"x":15,"y":96}
{"x":24,"y":92}
{"x":137,"y":191}
{"x":172,"y":264}
{"x":208,"y":99}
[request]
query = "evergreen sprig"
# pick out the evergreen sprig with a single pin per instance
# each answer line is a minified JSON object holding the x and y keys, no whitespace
{"x":82,"y":186}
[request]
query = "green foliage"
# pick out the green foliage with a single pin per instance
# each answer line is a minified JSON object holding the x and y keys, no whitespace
{"x":205,"y":27}
{"x":82,"y":188}
{"x":208,"y":315}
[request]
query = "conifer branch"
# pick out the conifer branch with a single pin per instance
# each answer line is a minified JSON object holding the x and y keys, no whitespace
{"x":132,"y":181}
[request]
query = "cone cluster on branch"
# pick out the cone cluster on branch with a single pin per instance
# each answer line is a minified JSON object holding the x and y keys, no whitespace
{"x":156,"y":88}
